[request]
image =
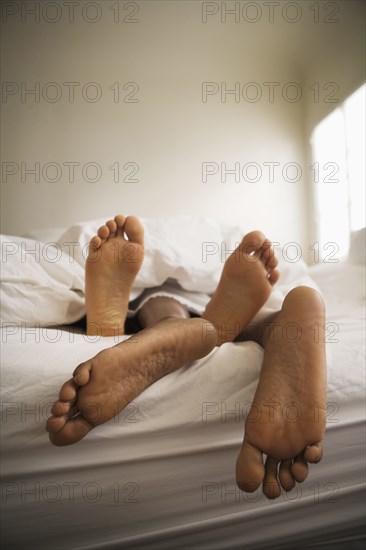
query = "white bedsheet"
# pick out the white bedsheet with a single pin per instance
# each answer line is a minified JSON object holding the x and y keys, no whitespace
{"x":161,"y":475}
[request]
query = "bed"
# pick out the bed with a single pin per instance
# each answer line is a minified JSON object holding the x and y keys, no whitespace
{"x":161,"y":475}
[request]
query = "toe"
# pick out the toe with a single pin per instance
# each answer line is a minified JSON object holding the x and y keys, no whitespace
{"x":81,"y":374}
{"x":249,"y":468}
{"x":71,"y":432}
{"x":314,"y":453}
{"x":95,"y":243}
{"x":120,"y":222}
{"x":271,"y":487}
{"x":68,"y":391}
{"x":274,"y":276}
{"x":285,"y":476}
{"x":55,"y":423}
{"x":60,"y":408}
{"x":94,"y":249}
{"x":134,"y":229}
{"x":300,"y":469}
{"x":252,"y":243}
{"x":103,"y":233}
{"x":272,"y":263}
{"x":112,"y":226}
{"x":267,"y":252}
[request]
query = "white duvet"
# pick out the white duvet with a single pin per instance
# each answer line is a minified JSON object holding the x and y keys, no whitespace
{"x":42,"y":281}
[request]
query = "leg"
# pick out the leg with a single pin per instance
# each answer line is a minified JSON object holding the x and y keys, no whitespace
{"x":288,"y":414}
{"x":159,"y":308}
{"x":104,"y":385}
{"x":245,"y":285}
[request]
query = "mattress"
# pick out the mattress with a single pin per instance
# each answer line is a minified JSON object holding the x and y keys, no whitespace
{"x":161,"y":475}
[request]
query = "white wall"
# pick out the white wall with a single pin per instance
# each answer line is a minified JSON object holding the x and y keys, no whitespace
{"x":170,"y":131}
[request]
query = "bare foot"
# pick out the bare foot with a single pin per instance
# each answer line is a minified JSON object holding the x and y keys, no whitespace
{"x":112,"y":265}
{"x":288,"y":414}
{"x":104,"y":385}
{"x":245,"y":285}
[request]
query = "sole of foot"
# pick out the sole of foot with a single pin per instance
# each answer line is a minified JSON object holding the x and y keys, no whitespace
{"x":101,"y":387}
{"x":115,"y":257}
{"x":288,"y":416}
{"x":245,"y":285}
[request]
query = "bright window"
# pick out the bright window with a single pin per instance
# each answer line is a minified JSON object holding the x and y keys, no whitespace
{"x":338,"y":144}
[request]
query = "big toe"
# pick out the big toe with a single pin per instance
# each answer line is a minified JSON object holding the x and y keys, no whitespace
{"x":134,"y":229}
{"x":252,"y":242}
{"x":73,"y":431}
{"x":55,"y":423}
{"x":249,"y":468}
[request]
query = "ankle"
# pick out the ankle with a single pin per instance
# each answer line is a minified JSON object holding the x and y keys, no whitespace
{"x":161,"y":307}
{"x":107,"y":329}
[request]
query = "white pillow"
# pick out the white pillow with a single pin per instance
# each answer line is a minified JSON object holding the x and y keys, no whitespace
{"x":39,"y":284}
